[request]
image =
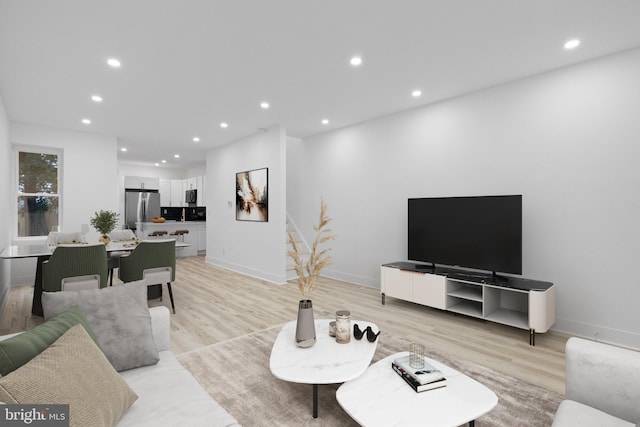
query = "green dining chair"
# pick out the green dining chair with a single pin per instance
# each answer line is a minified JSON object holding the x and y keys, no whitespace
{"x":153,"y":262}
{"x":75,"y":267}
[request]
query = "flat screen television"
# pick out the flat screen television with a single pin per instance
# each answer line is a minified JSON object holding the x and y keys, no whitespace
{"x":483,"y":233}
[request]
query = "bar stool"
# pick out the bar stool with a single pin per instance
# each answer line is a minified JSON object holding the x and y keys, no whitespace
{"x":158,"y":233}
{"x":180,"y":234}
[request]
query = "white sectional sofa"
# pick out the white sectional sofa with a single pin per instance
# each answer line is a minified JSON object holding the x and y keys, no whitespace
{"x":168,"y":395}
{"x":602,"y":386}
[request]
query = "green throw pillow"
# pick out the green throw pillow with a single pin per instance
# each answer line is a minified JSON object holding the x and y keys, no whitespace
{"x":17,"y":351}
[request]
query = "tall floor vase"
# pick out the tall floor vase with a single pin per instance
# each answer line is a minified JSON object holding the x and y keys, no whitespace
{"x":306,"y":327}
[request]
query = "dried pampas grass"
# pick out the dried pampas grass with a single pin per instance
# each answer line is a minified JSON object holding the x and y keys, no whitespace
{"x":309,"y":271}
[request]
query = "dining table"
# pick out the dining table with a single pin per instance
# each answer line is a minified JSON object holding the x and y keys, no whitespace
{"x":42,"y":251}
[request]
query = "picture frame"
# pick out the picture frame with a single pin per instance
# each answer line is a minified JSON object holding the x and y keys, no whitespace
{"x":252,"y":195}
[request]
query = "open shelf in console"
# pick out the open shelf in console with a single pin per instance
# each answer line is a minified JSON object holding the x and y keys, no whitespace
{"x":506,"y":306}
{"x":468,"y":308}
{"x":467,"y":292}
{"x":517,"y":319}
{"x":464,"y":298}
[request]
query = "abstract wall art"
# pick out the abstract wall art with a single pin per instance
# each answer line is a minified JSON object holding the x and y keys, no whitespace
{"x":252,"y":195}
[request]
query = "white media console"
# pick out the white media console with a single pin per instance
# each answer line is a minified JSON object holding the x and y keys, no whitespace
{"x":521,"y":303}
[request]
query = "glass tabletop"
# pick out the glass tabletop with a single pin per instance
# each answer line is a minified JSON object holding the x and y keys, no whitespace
{"x":33,"y":250}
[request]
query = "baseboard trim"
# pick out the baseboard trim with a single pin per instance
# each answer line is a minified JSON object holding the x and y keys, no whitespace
{"x":243,"y":269}
{"x":597,"y":333}
{"x":352,"y":278}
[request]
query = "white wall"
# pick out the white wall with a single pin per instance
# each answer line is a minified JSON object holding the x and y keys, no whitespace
{"x":253,"y":248}
{"x":89,"y":169}
{"x":89,"y":177}
{"x":568,"y":141}
{"x":6,"y":200}
{"x":136,"y":169}
{"x":196,"y":171}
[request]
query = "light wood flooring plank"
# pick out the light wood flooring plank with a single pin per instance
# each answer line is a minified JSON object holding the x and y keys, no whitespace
{"x":214,"y":305}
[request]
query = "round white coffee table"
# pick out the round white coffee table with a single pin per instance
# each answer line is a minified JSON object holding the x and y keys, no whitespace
{"x":326,"y":362}
{"x":380,"y":397}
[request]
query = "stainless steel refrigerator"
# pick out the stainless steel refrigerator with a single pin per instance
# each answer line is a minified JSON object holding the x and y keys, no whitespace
{"x":140,"y":206}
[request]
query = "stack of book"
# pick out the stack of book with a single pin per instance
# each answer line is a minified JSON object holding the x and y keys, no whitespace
{"x":423,"y":379}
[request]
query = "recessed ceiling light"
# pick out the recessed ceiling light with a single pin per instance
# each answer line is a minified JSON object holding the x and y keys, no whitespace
{"x":86,"y":121}
{"x":325,"y":121}
{"x":157,"y":164}
{"x":123,"y":149}
{"x":356,"y":61}
{"x":96,"y":98}
{"x":264,"y":105}
{"x":572,"y":44}
{"x":416,"y":93}
{"x":196,"y":139}
{"x":177,"y":156}
{"x":224,"y":125}
{"x":164,"y":161}
{"x":113,"y":62}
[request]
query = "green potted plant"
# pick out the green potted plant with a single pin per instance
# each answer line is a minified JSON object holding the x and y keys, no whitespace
{"x":105,"y":222}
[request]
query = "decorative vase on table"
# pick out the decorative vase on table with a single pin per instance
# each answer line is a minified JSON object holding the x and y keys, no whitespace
{"x":104,"y":239}
{"x":308,"y":270}
{"x":306,"y":326}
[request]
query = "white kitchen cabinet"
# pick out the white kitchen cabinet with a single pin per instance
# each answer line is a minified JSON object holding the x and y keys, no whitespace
{"x":151,"y":183}
{"x":177,"y":192}
{"x":132,"y":182}
{"x":200,"y":187}
{"x":192,"y":239}
{"x":202,"y":237}
{"x":190,"y":184}
{"x":165,"y":192}
{"x":141,"y":182}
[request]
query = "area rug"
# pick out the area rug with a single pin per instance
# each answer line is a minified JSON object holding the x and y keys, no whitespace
{"x":236,"y":373}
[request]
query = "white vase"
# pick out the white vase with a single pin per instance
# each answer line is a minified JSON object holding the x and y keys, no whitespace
{"x":306,"y":326}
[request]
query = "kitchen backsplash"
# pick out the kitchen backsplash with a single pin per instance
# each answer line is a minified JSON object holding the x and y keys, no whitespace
{"x":190,"y":214}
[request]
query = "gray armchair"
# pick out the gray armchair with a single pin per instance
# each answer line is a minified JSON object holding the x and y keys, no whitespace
{"x":602,"y":386}
{"x":152,"y":262}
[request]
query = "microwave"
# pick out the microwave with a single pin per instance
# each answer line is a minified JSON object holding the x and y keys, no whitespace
{"x":191,"y":196}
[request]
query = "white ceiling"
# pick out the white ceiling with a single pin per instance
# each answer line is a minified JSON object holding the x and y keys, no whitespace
{"x":188,"y":65}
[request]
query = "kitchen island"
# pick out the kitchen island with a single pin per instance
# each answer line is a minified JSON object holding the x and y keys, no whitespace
{"x":196,"y":238}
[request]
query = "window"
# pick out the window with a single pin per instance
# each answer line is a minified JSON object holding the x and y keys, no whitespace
{"x":38,"y":200}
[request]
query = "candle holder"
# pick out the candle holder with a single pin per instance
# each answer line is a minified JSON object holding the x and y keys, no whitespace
{"x":343,"y":326}
{"x":416,"y":356}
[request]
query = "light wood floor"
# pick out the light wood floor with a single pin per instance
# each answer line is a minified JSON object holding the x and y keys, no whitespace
{"x":214,"y":304}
